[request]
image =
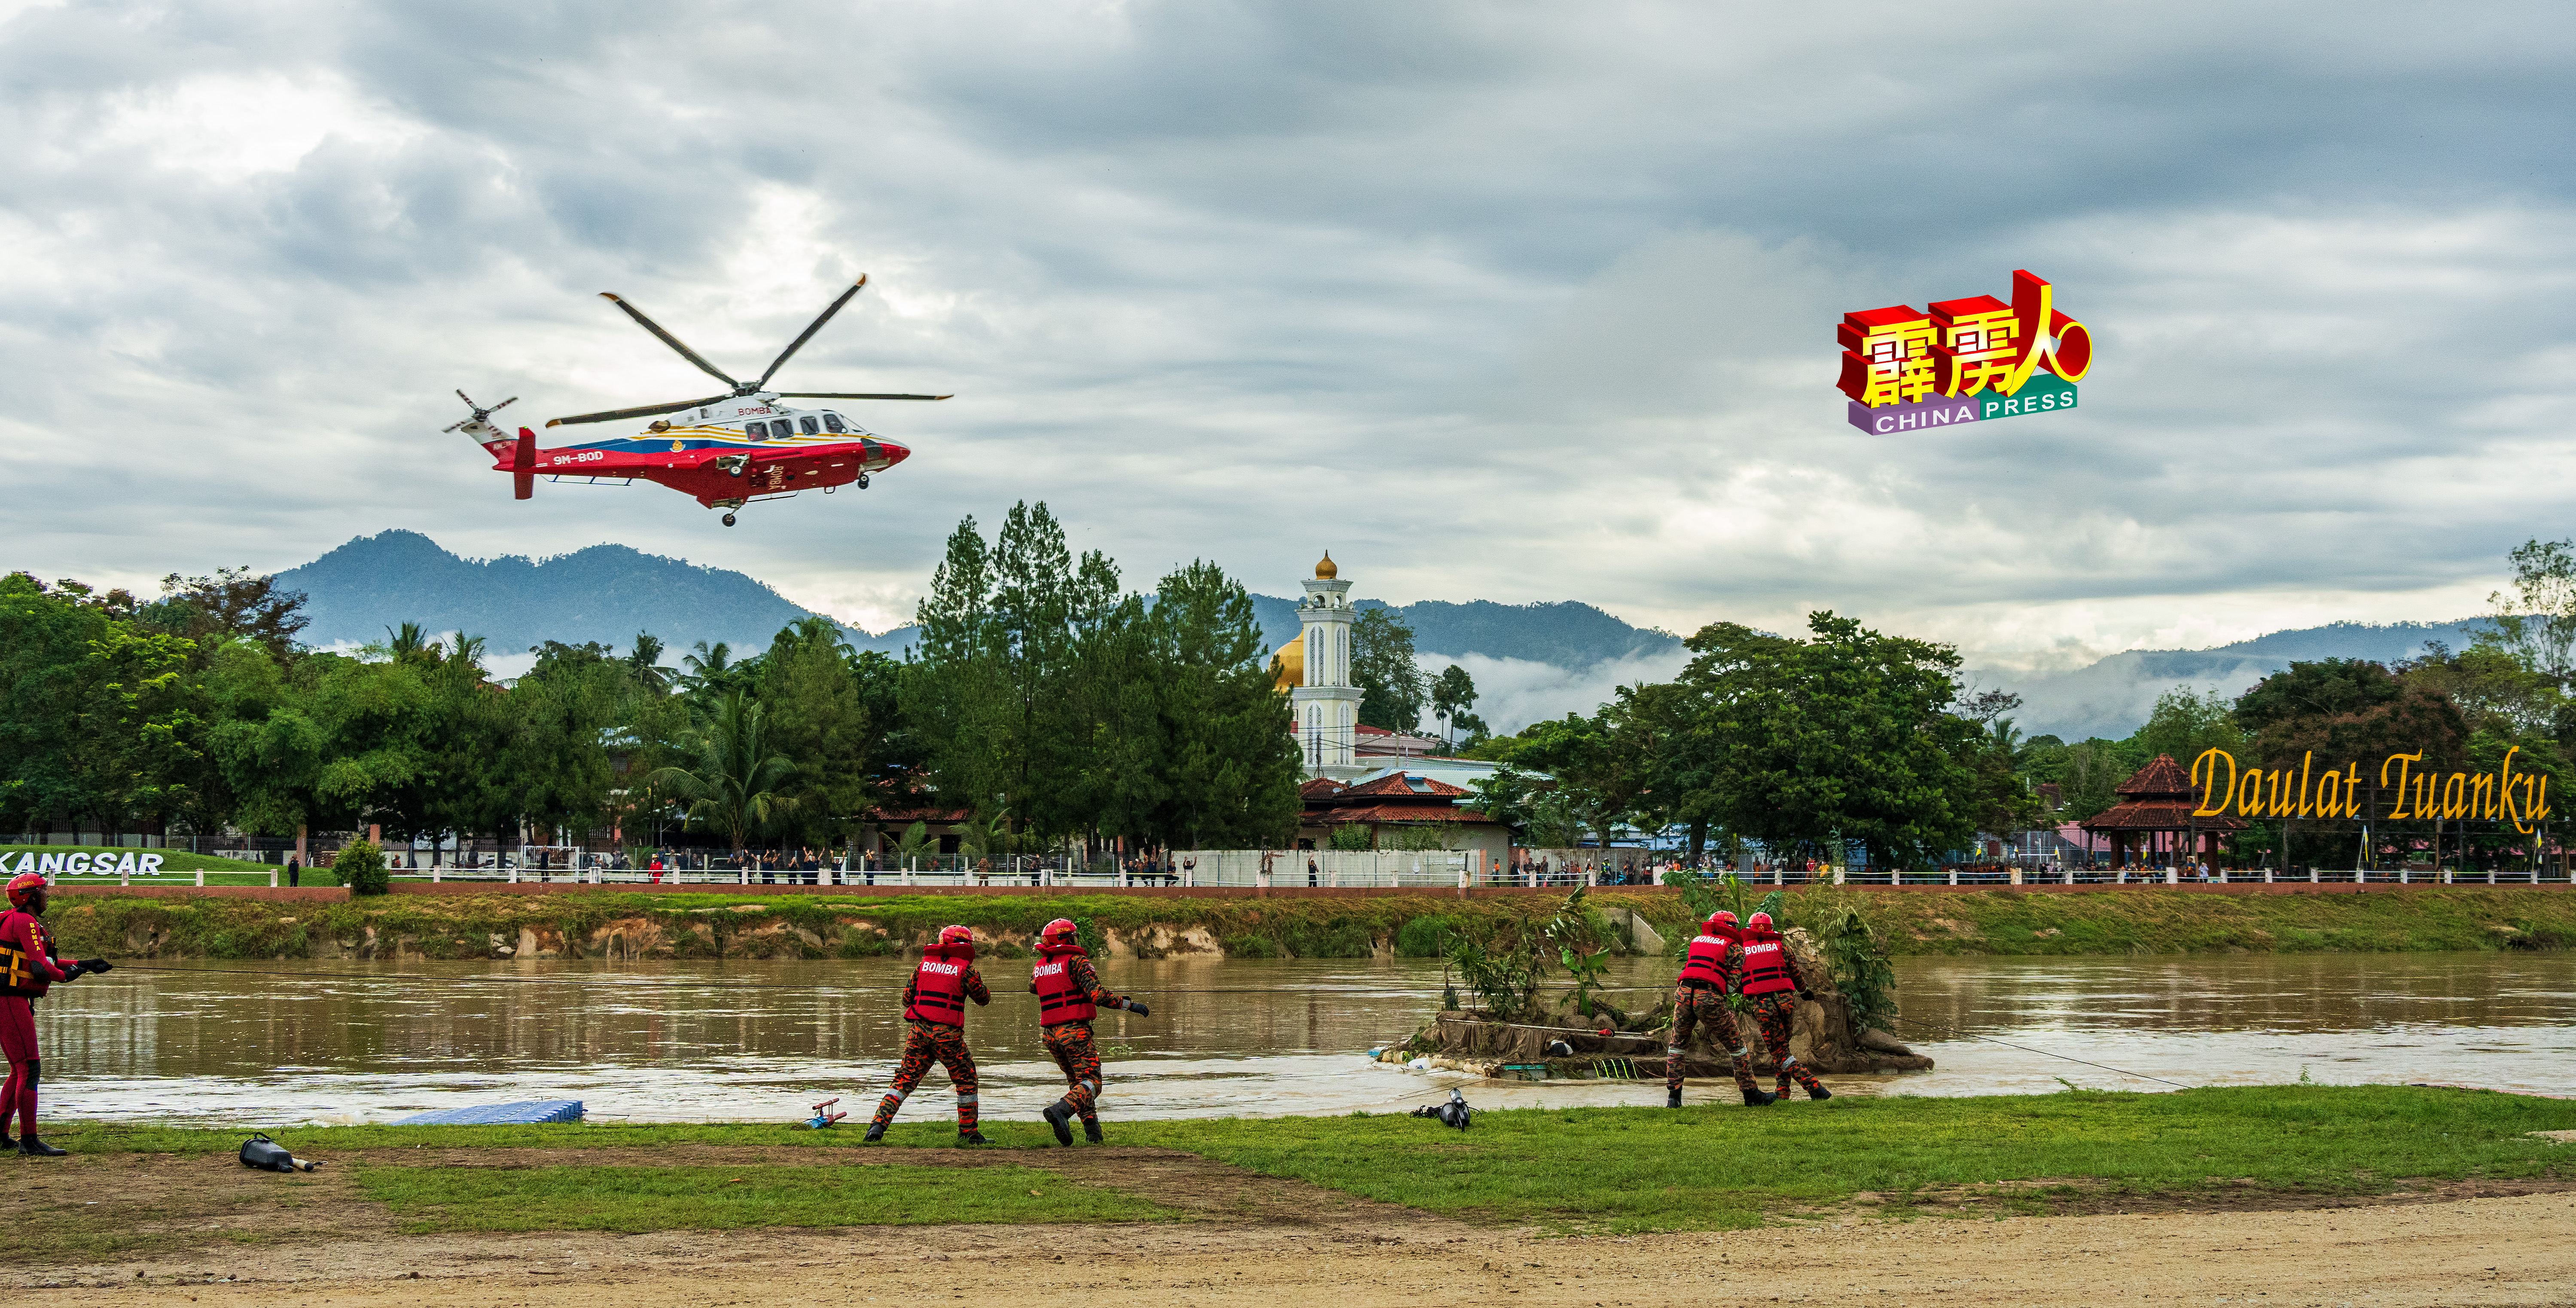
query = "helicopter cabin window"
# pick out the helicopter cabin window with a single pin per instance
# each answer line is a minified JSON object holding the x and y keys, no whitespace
{"x":832,"y":422}
{"x":809,"y":426}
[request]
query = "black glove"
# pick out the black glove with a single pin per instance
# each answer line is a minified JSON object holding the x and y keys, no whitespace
{"x":97,"y":965}
{"x":1139,"y":1009}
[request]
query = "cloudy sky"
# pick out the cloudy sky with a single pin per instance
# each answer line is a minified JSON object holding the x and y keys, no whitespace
{"x":1523,"y":302}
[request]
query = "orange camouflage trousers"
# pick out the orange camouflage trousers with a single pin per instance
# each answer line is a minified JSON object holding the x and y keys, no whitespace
{"x":1694,"y":1006}
{"x":925,"y":1043}
{"x":1070,"y":1045}
{"x":1772,"y":1012}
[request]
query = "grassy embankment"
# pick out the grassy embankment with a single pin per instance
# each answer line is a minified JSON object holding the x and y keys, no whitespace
{"x":178,"y":866}
{"x":604,"y":923}
{"x":1590,"y":1169}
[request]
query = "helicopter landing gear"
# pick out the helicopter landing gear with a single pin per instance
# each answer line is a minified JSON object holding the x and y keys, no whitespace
{"x":728,"y":520}
{"x":863,"y":481}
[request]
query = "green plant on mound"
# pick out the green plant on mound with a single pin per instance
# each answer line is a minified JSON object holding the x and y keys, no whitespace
{"x":862,"y":942}
{"x":360,"y":865}
{"x":1336,"y":939}
{"x":1862,"y":970}
{"x":1422,"y":937}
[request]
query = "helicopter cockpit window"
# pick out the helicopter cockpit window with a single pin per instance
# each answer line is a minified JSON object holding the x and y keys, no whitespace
{"x":808,"y":425}
{"x":832,"y":422}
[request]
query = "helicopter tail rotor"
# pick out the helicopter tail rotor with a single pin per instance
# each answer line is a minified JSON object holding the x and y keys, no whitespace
{"x":480,"y":413}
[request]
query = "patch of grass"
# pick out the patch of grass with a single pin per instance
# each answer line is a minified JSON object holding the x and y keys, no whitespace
{"x":434,"y":1200}
{"x":1630,"y":1169}
{"x":1637,"y":1169}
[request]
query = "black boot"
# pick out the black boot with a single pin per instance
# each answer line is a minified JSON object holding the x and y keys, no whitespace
{"x":32,"y":1147}
{"x":971,"y":1137}
{"x":876,"y":1132}
{"x":1091,"y":1129}
{"x":1057,"y":1115}
{"x":1817,"y":1090}
{"x":1673,"y":1097}
{"x":1756,"y":1099}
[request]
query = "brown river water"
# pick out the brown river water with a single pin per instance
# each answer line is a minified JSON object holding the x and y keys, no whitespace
{"x":283,"y":1043}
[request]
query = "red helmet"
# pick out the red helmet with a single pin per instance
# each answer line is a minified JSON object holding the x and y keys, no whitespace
{"x":1058,"y":932}
{"x":25,"y":884}
{"x":1722,"y":917}
{"x":956,"y":935}
{"x":1759,"y":922}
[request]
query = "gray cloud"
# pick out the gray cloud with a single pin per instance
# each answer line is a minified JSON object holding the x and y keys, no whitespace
{"x":1524,"y":304}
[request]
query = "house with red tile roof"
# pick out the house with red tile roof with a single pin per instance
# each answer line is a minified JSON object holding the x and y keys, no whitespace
{"x":1397,"y":807}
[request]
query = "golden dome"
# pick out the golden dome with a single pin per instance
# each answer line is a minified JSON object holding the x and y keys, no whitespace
{"x":1292,"y":665}
{"x":1325,"y":571}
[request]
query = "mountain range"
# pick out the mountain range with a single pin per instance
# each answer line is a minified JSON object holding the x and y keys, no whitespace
{"x":1531,"y":660}
{"x":2112,"y":697}
{"x":607,"y":593}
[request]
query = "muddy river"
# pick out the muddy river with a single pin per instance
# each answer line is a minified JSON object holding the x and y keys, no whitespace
{"x":289,"y":1043}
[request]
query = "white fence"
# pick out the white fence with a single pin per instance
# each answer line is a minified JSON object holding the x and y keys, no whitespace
{"x":1325,"y":867}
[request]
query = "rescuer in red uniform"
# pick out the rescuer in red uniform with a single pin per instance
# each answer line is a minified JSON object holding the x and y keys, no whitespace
{"x":1768,"y":977}
{"x":935,"y":1006}
{"x":1699,"y":999}
{"x":27,"y":969}
{"x":1069,"y":993}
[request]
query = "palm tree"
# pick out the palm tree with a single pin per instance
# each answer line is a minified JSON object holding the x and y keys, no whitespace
{"x":707,"y":665}
{"x":987,"y":837}
{"x":644,"y":663}
{"x":915,"y":842}
{"x":735,"y":784}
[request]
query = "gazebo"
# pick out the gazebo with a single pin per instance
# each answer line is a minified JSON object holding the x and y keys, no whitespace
{"x":2155,"y":816}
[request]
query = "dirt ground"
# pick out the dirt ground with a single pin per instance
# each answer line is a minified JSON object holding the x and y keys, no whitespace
{"x":1258,"y":1240}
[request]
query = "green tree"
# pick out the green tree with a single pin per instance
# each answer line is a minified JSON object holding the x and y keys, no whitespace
{"x":1225,"y":766}
{"x":1392,"y":688}
{"x":644,"y":663}
{"x":360,"y":865}
{"x":736,"y":784}
{"x":234,"y":603}
{"x":1007,"y":699}
{"x":2536,"y":622}
{"x":104,"y":716}
{"x":1453,"y":692}
{"x":1845,"y":735}
{"x":564,"y":715}
{"x":819,"y":722}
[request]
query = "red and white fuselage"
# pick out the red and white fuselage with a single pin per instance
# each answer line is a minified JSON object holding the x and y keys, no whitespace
{"x":723,"y":454}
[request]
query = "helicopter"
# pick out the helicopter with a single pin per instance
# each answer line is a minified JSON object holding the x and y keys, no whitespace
{"x":724,"y":450}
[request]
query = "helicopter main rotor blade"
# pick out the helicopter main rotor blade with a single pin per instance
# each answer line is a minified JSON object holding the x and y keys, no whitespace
{"x":668,"y":339}
{"x":849,"y":395}
{"x":645,"y":411}
{"x":808,"y":333}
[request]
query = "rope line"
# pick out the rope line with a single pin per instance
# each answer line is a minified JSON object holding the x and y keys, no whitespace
{"x":1950,"y":1031}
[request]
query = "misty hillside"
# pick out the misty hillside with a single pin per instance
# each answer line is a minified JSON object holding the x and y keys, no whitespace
{"x":605,"y":593}
{"x":2113,"y":697}
{"x":1565,"y":633}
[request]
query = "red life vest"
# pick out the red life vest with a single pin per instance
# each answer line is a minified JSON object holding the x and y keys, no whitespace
{"x":1059,"y":1000}
{"x":939,"y":985}
{"x":20,"y":975}
{"x":1766,"y":965}
{"x":1704,"y":967}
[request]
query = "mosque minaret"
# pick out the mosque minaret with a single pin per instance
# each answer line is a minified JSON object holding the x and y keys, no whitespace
{"x":1327,"y":704}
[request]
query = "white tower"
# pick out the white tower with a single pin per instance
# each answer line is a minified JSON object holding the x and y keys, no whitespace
{"x":1327,"y":704}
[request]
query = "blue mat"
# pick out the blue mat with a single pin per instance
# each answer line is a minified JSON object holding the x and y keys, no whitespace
{"x":527,"y":1114}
